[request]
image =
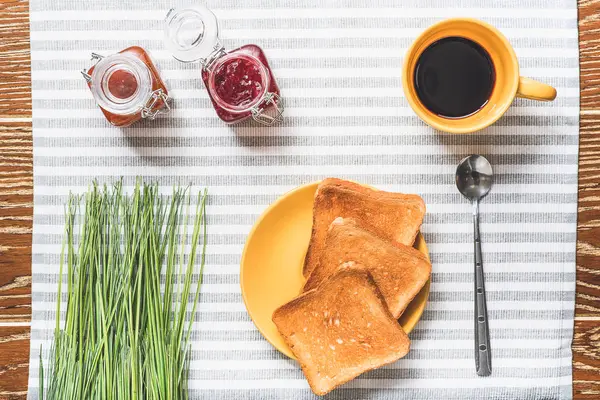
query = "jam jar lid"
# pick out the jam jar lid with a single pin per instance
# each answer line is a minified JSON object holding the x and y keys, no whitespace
{"x":192,"y":34}
{"x":122,"y":84}
{"x":133,"y":89}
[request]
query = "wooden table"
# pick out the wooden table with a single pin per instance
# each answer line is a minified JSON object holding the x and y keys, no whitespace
{"x":16,"y":203}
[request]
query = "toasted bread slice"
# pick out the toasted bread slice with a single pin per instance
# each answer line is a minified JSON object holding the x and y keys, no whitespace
{"x":395,"y":217}
{"x":399,"y":271}
{"x":341,"y":329}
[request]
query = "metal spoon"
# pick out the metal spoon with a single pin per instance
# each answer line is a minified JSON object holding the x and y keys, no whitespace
{"x":474,"y":180}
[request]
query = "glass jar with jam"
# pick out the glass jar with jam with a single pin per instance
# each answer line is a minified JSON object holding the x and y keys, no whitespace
{"x":240,"y":82}
{"x":127,"y":86}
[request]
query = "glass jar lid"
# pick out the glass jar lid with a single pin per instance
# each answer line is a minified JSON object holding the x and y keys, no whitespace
{"x":192,"y":34}
{"x":121,"y":84}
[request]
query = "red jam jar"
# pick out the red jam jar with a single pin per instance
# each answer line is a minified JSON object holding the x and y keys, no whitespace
{"x":127,"y":86}
{"x":240,"y":82}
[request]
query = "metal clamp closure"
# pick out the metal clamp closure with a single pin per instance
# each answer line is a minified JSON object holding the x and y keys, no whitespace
{"x":85,"y":72}
{"x":258,"y":111}
{"x":158,"y":95}
{"x":218,"y":52}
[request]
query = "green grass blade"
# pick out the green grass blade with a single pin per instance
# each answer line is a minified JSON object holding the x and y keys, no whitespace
{"x":126,"y":332}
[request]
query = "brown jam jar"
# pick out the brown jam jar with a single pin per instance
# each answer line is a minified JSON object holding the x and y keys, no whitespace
{"x":240,"y":82}
{"x":127,"y":86}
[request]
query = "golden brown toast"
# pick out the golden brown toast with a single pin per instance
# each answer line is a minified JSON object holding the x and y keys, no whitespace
{"x":395,"y":217}
{"x":399,"y":271}
{"x":341,"y":330}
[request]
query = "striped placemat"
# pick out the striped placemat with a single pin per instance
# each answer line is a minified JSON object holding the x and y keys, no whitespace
{"x":338,"y":65}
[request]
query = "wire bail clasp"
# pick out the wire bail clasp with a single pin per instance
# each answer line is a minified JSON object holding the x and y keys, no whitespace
{"x":149,"y":110}
{"x":218,"y":52}
{"x":258,"y":112}
{"x":85,"y":72}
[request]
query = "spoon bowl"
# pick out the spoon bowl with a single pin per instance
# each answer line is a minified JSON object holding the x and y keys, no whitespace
{"x":474,"y":177}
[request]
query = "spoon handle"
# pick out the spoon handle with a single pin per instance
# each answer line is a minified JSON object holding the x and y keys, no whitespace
{"x":483,"y":357}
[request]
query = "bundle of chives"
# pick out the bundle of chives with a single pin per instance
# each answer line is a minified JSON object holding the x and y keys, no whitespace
{"x":128,"y":291}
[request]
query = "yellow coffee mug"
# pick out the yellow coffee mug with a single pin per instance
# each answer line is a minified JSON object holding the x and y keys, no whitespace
{"x":508,"y":85}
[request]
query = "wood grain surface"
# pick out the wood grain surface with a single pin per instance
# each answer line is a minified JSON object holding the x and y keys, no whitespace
{"x":16,"y":203}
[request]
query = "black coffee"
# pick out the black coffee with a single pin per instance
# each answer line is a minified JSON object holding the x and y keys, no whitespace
{"x":454,"y":77}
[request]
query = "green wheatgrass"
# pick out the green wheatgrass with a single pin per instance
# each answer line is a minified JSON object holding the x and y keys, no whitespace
{"x":129,"y":288}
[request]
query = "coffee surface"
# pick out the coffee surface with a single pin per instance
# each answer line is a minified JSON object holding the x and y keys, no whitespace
{"x":454,"y":77}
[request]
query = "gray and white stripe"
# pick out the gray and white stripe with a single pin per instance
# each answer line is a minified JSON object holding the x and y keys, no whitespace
{"x":338,"y":65}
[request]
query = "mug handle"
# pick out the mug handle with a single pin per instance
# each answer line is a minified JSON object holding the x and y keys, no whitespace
{"x":534,"y":90}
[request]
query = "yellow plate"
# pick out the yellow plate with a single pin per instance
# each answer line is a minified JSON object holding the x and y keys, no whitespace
{"x":271,"y":268}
